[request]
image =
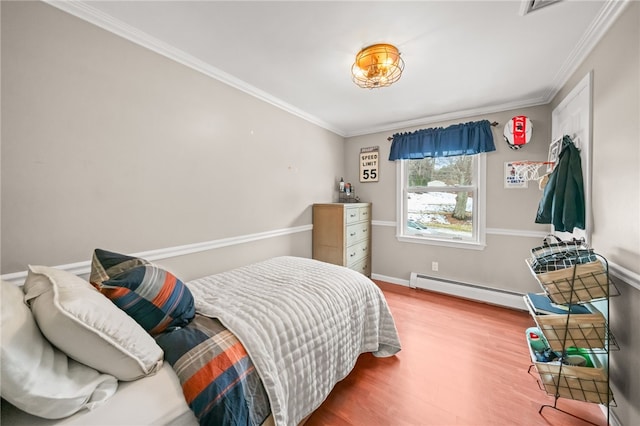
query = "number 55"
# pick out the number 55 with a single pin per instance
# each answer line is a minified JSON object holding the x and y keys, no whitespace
{"x":369,"y":174}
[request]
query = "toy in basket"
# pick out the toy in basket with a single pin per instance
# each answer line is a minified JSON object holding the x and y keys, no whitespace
{"x":584,"y":328}
{"x":581,"y":383}
{"x":575,"y":374}
{"x":539,"y":346}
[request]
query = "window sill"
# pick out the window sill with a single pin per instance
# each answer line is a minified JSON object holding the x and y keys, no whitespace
{"x":468,"y":245}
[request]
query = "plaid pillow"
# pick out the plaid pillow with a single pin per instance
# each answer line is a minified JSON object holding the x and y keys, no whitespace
{"x":106,"y":264}
{"x":153,"y":297}
{"x":560,"y":255}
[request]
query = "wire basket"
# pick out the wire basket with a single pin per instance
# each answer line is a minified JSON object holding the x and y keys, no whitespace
{"x":588,"y":384}
{"x":578,"y":330}
{"x":579,"y":383}
{"x":348,"y":197}
{"x":587,"y":282}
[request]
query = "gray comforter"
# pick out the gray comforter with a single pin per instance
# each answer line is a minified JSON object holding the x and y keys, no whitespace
{"x":303,"y":323}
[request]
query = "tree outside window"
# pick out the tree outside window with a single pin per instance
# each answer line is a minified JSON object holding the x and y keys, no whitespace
{"x":441,"y":199}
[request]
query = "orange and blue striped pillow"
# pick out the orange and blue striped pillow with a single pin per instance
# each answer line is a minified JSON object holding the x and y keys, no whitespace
{"x":152,"y":296}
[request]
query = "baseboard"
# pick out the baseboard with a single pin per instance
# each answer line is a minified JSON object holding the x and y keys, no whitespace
{"x":391,"y":280}
{"x":624,"y":274}
{"x":613,"y":419}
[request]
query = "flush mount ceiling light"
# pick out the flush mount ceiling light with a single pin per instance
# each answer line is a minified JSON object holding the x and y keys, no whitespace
{"x":379,"y":65}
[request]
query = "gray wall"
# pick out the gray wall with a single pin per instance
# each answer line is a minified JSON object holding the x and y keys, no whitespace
{"x":616,"y":198}
{"x":107,"y":144}
{"x":510,"y":212}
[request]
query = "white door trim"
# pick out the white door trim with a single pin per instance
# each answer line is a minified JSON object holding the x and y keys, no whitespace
{"x":572,"y":117}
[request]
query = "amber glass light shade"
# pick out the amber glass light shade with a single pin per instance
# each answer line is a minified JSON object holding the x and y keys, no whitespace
{"x":379,"y":65}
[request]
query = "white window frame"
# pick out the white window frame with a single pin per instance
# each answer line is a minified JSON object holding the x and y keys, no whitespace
{"x":478,"y":241}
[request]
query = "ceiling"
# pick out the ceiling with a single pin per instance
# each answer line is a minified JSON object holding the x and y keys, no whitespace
{"x":462,"y":58}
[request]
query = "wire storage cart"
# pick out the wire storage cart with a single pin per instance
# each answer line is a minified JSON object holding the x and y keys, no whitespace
{"x":585,"y":334}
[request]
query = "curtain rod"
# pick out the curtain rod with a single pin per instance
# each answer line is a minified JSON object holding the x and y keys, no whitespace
{"x":494,"y":124}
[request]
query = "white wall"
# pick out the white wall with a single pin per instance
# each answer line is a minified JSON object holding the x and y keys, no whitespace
{"x":615,"y":62}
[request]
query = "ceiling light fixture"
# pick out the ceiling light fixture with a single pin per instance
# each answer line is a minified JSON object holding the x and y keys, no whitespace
{"x":379,"y":65}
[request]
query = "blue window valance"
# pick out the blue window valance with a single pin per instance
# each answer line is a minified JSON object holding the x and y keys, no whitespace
{"x":459,"y":139}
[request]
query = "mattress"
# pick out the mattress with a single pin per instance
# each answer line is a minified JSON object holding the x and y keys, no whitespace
{"x":153,"y":400}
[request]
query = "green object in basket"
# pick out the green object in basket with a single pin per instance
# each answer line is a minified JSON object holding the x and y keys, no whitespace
{"x":573,"y":351}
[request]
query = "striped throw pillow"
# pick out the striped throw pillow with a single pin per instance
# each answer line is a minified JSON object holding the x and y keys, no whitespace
{"x":152,"y":296}
{"x":106,"y":264}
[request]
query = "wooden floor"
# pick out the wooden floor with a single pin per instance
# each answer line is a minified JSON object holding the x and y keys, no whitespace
{"x":462,"y":363}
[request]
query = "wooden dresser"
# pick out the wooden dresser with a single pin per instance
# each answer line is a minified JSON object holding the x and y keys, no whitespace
{"x":342,"y":235}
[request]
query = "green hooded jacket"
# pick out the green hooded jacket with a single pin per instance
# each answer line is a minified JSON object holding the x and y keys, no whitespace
{"x":562,"y":202}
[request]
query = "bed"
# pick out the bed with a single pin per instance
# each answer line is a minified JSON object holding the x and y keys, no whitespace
{"x":158,"y":401}
{"x":261,"y":344}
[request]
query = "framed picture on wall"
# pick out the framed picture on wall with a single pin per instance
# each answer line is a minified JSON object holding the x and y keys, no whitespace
{"x":511,"y":178}
{"x":369,"y":158}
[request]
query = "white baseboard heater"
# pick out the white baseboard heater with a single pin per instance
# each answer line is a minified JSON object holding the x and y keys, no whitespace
{"x":480,"y":293}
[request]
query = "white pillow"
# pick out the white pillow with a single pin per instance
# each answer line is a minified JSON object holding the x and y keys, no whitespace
{"x":88,"y":327}
{"x":38,"y":378}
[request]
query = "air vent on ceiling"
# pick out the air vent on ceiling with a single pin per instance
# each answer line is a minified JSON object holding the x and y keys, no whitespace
{"x":529,"y":6}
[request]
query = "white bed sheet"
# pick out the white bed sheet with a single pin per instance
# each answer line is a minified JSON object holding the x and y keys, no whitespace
{"x":153,"y":400}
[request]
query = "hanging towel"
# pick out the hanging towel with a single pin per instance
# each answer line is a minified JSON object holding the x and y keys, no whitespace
{"x":562,"y":202}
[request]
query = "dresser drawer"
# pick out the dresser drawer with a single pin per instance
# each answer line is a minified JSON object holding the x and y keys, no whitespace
{"x":357,"y":252}
{"x":364,"y":212}
{"x":352,"y":214}
{"x":357,"y":232}
{"x":364,"y":267}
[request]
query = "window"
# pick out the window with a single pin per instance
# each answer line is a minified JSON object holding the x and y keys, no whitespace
{"x":441,"y":201}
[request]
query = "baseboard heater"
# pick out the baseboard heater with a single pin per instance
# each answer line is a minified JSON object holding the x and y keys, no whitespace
{"x":480,"y":293}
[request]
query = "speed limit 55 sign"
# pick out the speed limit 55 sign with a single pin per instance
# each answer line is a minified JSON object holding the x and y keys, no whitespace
{"x":369,"y":161}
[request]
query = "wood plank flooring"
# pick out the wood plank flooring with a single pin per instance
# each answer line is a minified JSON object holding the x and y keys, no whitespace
{"x":462,"y":363}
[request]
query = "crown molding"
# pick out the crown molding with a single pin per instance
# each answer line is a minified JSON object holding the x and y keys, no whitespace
{"x":598,"y":28}
{"x":84,"y":11}
{"x":401,"y":125}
